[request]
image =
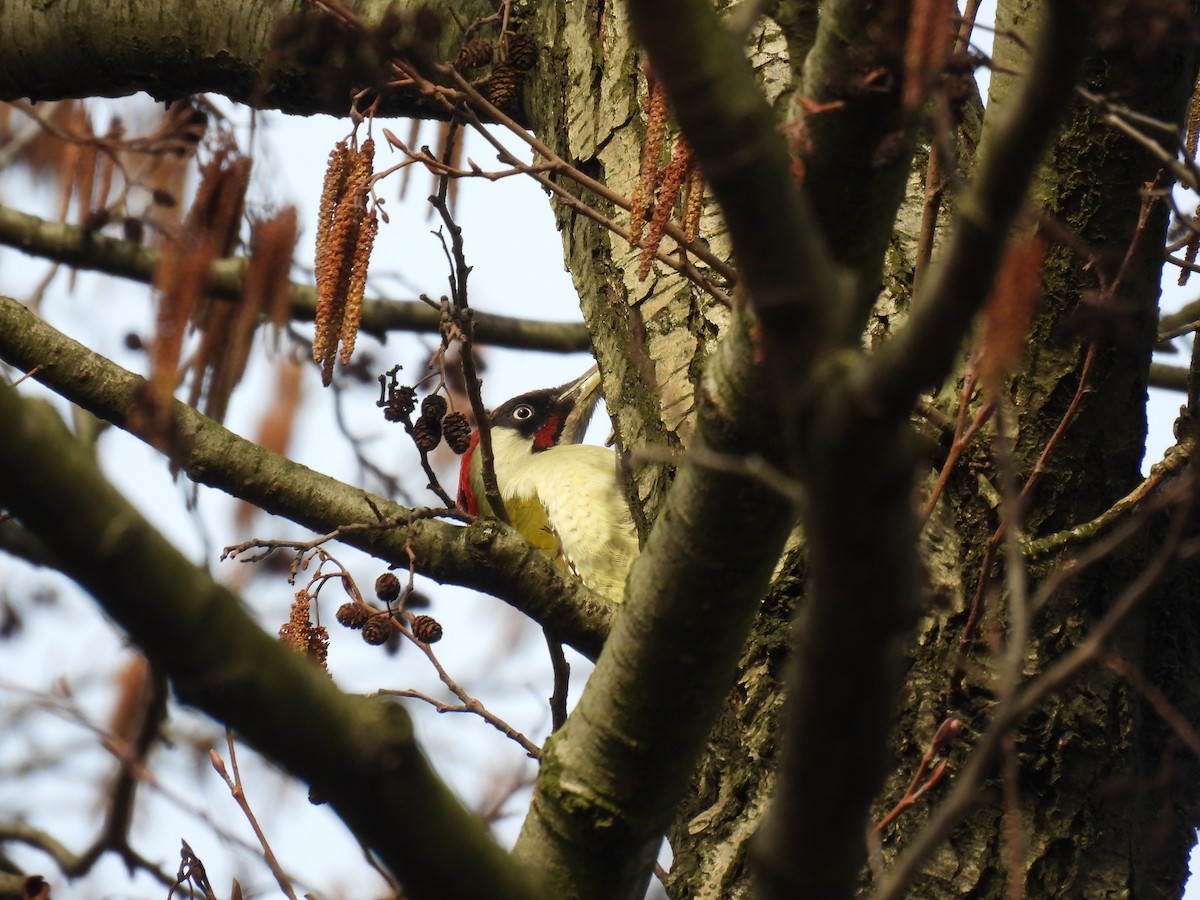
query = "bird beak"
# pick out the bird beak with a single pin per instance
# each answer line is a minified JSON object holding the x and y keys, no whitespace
{"x":581,"y":397}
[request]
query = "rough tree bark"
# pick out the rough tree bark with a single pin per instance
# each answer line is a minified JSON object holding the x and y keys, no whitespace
{"x":1105,"y":800}
{"x":1089,"y":748}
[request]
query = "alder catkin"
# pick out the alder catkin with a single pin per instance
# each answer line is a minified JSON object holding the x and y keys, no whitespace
{"x":664,"y":204}
{"x":1008,"y":312}
{"x":357,"y":287}
{"x":346,"y":235}
{"x":651,"y":173}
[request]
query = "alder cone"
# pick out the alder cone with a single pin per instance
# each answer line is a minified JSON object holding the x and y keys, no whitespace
{"x":400,"y":404}
{"x":522,"y":52}
{"x":427,"y":433}
{"x":473,"y":54}
{"x":503,"y":85}
{"x":387,"y":587}
{"x":427,"y":629}
{"x":353,"y":615}
{"x":457,"y":432}
{"x":434,"y":407}
{"x":377,"y":630}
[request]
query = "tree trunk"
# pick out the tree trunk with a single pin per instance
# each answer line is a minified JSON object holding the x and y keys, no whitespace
{"x":1103,"y":791}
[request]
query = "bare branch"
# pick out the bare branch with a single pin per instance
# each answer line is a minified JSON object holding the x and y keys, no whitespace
{"x":359,"y":755}
{"x":486,"y":555}
{"x":81,"y":248}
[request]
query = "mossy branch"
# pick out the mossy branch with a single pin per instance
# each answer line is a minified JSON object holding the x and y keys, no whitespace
{"x":358,"y":755}
{"x":612,"y":777}
{"x":486,"y":556}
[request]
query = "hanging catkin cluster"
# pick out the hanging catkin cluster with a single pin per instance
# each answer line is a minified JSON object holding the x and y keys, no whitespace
{"x":656,"y":132}
{"x":345,"y":234}
{"x":658,"y":186}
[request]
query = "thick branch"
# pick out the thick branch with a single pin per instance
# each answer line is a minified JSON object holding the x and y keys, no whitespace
{"x":83,"y":249}
{"x":856,"y":466}
{"x":856,"y":149}
{"x":49,"y":51}
{"x":612,"y":777}
{"x":863,"y":563}
{"x":486,"y":556}
{"x":358,"y":755}
{"x":921,"y":355}
{"x":781,"y":253}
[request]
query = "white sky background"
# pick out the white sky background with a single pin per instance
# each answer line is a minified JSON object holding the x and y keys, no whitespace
{"x":493,"y":652}
{"x":517,"y":258}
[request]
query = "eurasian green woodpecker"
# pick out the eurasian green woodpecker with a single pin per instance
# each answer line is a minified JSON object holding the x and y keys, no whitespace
{"x":562,"y":496}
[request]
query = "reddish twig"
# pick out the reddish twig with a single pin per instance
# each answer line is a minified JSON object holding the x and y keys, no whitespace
{"x":466,"y":703}
{"x":238,"y":792}
{"x":928,"y":773}
{"x":963,"y":436}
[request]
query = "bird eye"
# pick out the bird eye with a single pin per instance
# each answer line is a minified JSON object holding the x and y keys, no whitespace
{"x":523,"y":412}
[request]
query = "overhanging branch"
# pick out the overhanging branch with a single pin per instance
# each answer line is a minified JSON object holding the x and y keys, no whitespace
{"x":358,"y":755}
{"x":612,"y":777}
{"x":49,"y":51}
{"x":486,"y":556}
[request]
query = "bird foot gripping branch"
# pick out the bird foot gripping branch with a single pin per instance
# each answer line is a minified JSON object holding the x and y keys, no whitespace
{"x":563,"y":496}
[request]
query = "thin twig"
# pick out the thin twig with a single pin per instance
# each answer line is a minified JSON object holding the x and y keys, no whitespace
{"x":466,"y":703}
{"x":1008,"y":711}
{"x":1166,"y":710}
{"x":238,"y":792}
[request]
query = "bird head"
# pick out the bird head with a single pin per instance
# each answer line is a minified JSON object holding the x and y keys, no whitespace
{"x":532,"y":423}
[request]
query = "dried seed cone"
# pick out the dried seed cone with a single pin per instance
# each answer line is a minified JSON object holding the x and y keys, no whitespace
{"x":522,"y":52}
{"x":434,"y":407}
{"x":457,"y":432}
{"x":400,"y":404}
{"x":353,"y":615}
{"x":406,"y":398}
{"x":427,"y":434}
{"x":502,"y":86}
{"x":473,"y":54}
{"x":377,"y":630}
{"x":387,"y":587}
{"x":427,"y":629}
